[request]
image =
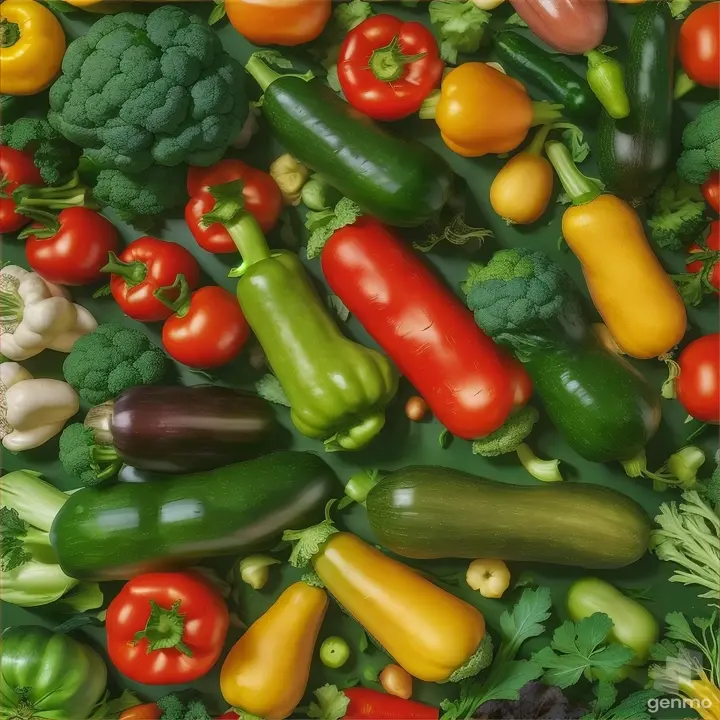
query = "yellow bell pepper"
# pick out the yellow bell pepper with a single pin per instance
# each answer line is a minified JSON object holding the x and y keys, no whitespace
{"x":266,"y":672}
{"x":109,"y":6}
{"x":432,"y":634}
{"x":32,"y":45}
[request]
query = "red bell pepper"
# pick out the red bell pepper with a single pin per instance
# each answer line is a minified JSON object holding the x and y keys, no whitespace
{"x":262,"y":199}
{"x":387,"y":67}
{"x":145,"y":266}
{"x":207,"y":328}
{"x":16,"y":168}
{"x":72,"y":248}
{"x":697,"y":386}
{"x":468,"y":382}
{"x":711,"y":190}
{"x":166,"y":628}
{"x":368,"y":704}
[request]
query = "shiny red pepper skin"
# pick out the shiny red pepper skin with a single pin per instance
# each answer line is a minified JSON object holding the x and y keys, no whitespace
{"x":429,"y":334}
{"x":373,"y":705}
{"x":404,"y":76}
{"x":16,"y":168}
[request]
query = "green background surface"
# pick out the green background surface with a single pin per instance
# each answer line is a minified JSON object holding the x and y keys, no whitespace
{"x":402,"y":442}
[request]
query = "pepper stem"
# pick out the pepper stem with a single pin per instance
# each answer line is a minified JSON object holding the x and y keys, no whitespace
{"x":133,"y":272}
{"x":683,"y":85}
{"x":538,"y":142}
{"x":429,"y":105}
{"x":9,"y":33}
{"x":388,"y":63}
{"x":264,"y":75}
{"x":164,"y":629}
{"x":360,"y":484}
{"x":580,"y":188}
{"x":180,"y":291}
{"x":544,"y":112}
{"x":71,"y":194}
{"x":48,"y":222}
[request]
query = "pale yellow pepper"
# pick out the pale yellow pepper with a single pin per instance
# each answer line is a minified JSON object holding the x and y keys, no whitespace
{"x":32,"y":45}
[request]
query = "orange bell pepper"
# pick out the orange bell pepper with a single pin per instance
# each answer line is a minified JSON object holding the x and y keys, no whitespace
{"x":480,"y":110}
{"x":278,"y":22}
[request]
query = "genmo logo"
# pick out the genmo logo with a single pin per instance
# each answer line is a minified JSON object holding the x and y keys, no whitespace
{"x":676,"y":703}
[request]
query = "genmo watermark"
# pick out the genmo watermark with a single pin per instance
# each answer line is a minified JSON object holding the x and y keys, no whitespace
{"x":676,"y":703}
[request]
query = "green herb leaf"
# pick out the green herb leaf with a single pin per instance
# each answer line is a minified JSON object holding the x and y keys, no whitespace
{"x":458,"y":232}
{"x":460,"y":25}
{"x":218,"y":12}
{"x":12,"y":531}
{"x":269,"y":388}
{"x":516,"y":21}
{"x":350,"y":14}
{"x":606,"y":694}
{"x":324,"y":223}
{"x":273,"y":57}
{"x":678,"y":7}
{"x":339,"y":307}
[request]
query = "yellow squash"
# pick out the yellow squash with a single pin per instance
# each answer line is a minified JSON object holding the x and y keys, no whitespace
{"x":32,"y":45}
{"x":266,"y":672}
{"x":427,"y":631}
{"x":634,"y":295}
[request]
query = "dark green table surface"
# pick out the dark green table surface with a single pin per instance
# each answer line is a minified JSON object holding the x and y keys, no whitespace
{"x":402,"y":442}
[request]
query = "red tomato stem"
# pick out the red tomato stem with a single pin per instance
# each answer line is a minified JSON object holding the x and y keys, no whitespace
{"x":133,"y":272}
{"x":181,"y":305}
{"x":388,"y":63}
{"x":164,"y":629}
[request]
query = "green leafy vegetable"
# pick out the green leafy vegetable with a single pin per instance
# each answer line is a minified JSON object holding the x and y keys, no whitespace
{"x":633,"y":707}
{"x":84,"y":458}
{"x":329,"y":704}
{"x":575,"y":141}
{"x":678,"y":213}
{"x":678,"y":7}
{"x":324,"y":223}
{"x":269,"y":388}
{"x":460,"y":25}
{"x":218,"y":12}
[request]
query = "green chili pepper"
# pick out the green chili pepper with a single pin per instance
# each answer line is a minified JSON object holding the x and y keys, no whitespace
{"x":606,"y":78}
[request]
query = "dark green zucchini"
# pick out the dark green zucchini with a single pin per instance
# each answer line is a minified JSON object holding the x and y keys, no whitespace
{"x":633,"y":153}
{"x":436,"y":512}
{"x":116,"y":532}
{"x":400,"y":182}
{"x":604,"y":409}
{"x":530,"y":63}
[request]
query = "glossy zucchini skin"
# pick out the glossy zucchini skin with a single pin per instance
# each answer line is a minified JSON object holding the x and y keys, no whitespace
{"x":175,"y":429}
{"x":117,"y":532}
{"x":398,"y":181}
{"x":633,"y":153}
{"x":435,"y":512}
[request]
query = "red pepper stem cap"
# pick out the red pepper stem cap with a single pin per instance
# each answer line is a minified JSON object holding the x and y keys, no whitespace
{"x":388,"y":63}
{"x":180,"y":291}
{"x":133,"y":272}
{"x":164,"y":629}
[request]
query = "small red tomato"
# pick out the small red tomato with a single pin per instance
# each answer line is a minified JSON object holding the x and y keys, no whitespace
{"x":711,"y":190}
{"x":698,"y":384}
{"x":208,"y":328}
{"x":16,"y":168}
{"x":709,"y":264}
{"x":699,"y":45}
{"x":74,"y":249}
{"x":147,"y":711}
{"x":166,"y":628}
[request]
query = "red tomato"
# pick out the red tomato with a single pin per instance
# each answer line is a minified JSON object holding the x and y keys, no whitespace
{"x":709,"y":264}
{"x":698,"y":385}
{"x":261,"y":197}
{"x":74,"y":249}
{"x":148,"y":711}
{"x":166,"y":628}
{"x":699,"y":45}
{"x":207,"y":330}
{"x":432,"y":338}
{"x":16,"y":168}
{"x":711,"y":190}
{"x":144,"y":267}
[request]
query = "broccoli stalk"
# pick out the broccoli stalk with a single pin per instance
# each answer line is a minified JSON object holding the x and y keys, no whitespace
{"x":678,"y":213}
{"x":86,"y":459}
{"x":36,"y":201}
{"x":701,"y":145}
{"x":509,"y":438}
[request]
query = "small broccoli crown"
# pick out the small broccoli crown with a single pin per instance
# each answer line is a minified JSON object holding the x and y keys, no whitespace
{"x":712,"y":488}
{"x":679,"y":213}
{"x":77,"y":444}
{"x":701,"y":145}
{"x":173,"y":708}
{"x":137,"y":91}
{"x":111,"y":359}
{"x":507,"y":438}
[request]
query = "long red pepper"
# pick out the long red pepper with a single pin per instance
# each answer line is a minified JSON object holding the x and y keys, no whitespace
{"x":368,"y":704}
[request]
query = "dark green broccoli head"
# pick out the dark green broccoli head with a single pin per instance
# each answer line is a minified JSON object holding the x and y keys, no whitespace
{"x":83,"y":458}
{"x":137,"y":91}
{"x":701,"y":145}
{"x":678,"y":213}
{"x":111,"y":359}
{"x":507,"y":438}
{"x":522,"y":293}
{"x":54,"y":156}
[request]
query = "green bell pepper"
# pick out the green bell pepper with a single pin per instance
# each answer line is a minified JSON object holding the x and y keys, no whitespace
{"x":337,"y":389}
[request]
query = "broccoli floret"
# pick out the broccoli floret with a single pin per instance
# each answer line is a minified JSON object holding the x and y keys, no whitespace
{"x":679,"y":213}
{"x":82,"y":457}
{"x":712,"y":489}
{"x":54,"y":156}
{"x":521,"y":295}
{"x":701,"y":145}
{"x":111,"y":359}
{"x":174,"y":708}
{"x":143,"y":90}
{"x":144,"y":196}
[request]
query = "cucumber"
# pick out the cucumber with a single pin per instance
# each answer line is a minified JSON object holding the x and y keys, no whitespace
{"x":436,"y":512}
{"x":116,"y":532}
{"x":400,"y":182}
{"x":633,"y":153}
{"x":523,"y":58}
{"x":601,"y":405}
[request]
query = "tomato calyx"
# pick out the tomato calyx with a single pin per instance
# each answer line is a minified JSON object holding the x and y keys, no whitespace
{"x":181,"y":291}
{"x":388,"y":63}
{"x":133,"y":273}
{"x":694,"y":286}
{"x":45,"y":225}
{"x":229,"y":202}
{"x":164,"y":629}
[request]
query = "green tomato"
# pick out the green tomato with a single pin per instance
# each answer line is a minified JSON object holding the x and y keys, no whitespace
{"x":58,"y":677}
{"x":633,"y":624}
{"x":334,"y":652}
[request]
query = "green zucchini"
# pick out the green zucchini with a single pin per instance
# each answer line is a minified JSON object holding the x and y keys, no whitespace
{"x":602,"y":406}
{"x":116,"y":532}
{"x":400,"y":182}
{"x":436,"y":512}
{"x":523,"y":58}
{"x":633,"y":153}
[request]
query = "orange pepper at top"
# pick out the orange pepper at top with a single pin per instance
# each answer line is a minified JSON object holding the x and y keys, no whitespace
{"x":480,"y":110}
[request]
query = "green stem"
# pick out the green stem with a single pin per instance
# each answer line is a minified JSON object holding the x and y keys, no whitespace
{"x":49,"y":225}
{"x":580,"y":188}
{"x":164,"y":629}
{"x":543,"y":470}
{"x":107,"y":460}
{"x":683,"y":85}
{"x":133,"y":272}
{"x":180,"y":290}
{"x":388,"y":63}
{"x":71,"y":194}
{"x":361,"y":484}
{"x":429,"y":106}
{"x":264,"y":75}
{"x":544,"y":112}
{"x":538,"y":142}
{"x":9,"y":33}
